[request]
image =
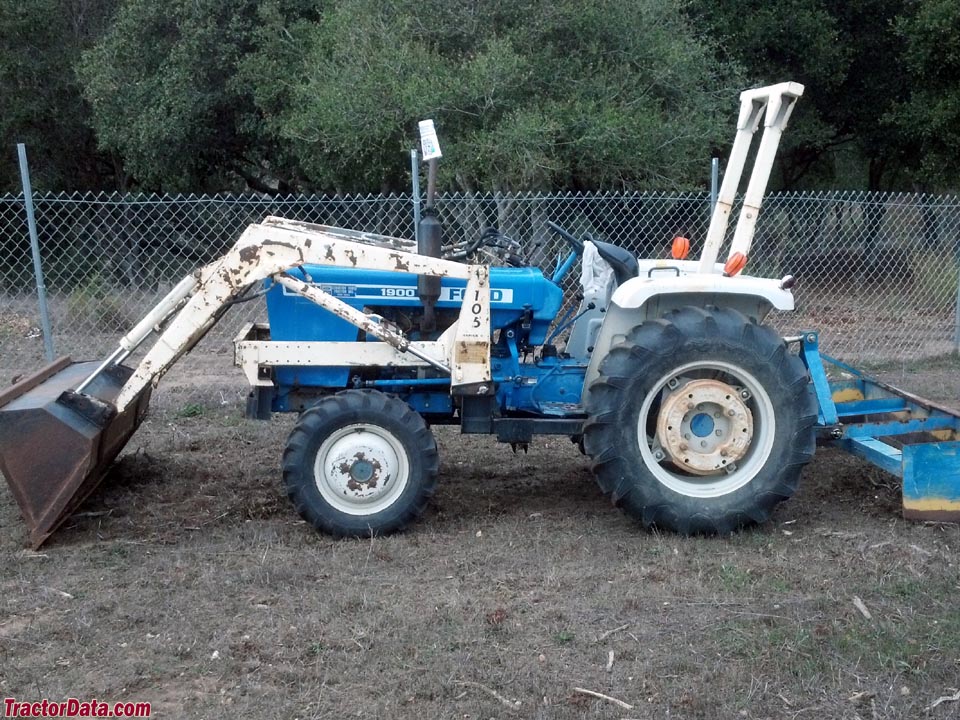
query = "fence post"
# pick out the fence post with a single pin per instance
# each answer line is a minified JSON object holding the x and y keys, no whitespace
{"x":415,"y":189}
{"x":714,"y":183}
{"x":35,"y":250}
{"x":956,"y":314}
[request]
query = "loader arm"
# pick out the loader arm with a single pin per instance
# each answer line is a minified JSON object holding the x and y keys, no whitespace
{"x":61,"y":428}
{"x":269,"y":250}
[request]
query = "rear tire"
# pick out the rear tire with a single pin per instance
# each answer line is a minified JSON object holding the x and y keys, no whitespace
{"x":700,"y":422}
{"x":360,"y":463}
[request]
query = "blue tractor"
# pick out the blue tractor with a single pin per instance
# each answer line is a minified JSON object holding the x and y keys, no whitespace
{"x":696,"y":417}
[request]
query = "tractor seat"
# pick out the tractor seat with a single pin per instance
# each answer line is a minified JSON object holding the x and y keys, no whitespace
{"x":622,"y":261}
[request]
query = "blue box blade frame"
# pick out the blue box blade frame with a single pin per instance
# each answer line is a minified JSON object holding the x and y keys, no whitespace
{"x":905,"y":435}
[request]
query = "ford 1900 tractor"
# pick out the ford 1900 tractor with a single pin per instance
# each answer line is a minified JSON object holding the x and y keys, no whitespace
{"x":695,"y":416}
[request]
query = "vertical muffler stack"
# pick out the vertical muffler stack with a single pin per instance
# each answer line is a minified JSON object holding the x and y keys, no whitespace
{"x":429,"y":243}
{"x":56,"y":444}
{"x":429,"y":231}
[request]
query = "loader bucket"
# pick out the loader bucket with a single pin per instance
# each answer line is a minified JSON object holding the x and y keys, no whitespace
{"x":56,"y":444}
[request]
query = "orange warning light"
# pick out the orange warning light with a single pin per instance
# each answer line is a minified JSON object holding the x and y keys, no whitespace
{"x":680,"y":248}
{"x":735,"y":263}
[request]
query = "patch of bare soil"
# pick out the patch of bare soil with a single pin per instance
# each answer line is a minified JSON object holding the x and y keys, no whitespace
{"x":187,"y":580}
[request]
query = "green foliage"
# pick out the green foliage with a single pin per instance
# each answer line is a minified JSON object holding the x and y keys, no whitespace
{"x":42,"y":105}
{"x":848,"y":57}
{"x":733,"y":578}
{"x":286,"y":95}
{"x":190,"y":410}
{"x":929,"y":117}
{"x":161,"y":84}
{"x":606,"y":93}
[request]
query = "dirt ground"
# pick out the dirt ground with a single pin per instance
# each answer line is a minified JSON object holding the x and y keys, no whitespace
{"x":188,"y":581}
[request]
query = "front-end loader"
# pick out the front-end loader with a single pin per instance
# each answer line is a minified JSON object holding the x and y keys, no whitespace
{"x":696,"y":416}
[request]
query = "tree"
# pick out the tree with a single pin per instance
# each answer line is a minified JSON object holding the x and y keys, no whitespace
{"x":525,"y":94}
{"x":929,"y":117}
{"x":847,"y":55}
{"x":162,"y":84}
{"x":42,"y":104}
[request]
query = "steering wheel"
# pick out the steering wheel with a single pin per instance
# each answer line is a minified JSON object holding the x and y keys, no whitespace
{"x":574,"y":242}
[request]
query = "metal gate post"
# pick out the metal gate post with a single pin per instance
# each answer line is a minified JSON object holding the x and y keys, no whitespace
{"x":956,"y":314}
{"x":714,"y":183}
{"x":35,"y":250}
{"x":415,"y":189}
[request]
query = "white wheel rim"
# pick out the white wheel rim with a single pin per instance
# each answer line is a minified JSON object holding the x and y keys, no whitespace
{"x":361,"y":469}
{"x":747,"y":459}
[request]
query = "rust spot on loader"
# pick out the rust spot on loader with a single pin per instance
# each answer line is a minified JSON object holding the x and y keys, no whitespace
{"x":250,"y":254}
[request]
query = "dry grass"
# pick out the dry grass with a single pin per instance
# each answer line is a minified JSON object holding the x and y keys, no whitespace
{"x":193,"y":585}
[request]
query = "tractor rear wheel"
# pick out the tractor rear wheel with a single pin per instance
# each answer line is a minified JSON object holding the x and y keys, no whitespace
{"x":700,"y":422}
{"x":360,"y":463}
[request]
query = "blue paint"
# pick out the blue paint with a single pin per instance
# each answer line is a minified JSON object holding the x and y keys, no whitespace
{"x":701,"y":425}
{"x":932,"y":470}
{"x":875,"y":405}
{"x":900,"y":427}
{"x":810,"y":354}
{"x":564,"y":268}
{"x":361,"y":470}
{"x":411,"y":382}
{"x":886,"y":457}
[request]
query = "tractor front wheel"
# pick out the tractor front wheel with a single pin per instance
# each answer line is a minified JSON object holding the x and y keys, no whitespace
{"x":700,"y":422}
{"x":360,"y":463}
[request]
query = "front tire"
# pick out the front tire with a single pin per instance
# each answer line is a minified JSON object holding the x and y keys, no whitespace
{"x":700,"y":422}
{"x":360,"y":463}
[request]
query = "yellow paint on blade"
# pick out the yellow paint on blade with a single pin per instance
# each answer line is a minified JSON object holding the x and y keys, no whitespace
{"x":847,"y":395}
{"x":933,"y":504}
{"x":945,"y":435}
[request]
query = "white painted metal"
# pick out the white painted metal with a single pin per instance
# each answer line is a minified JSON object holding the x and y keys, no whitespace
{"x":361,"y":469}
{"x":751,"y":459}
{"x":471,"y":347}
{"x":636,"y":292}
{"x":251,"y":354}
{"x":778,"y":102}
{"x":666,"y":285}
{"x":270,"y":249}
{"x":181,"y":291}
{"x":359,"y":236}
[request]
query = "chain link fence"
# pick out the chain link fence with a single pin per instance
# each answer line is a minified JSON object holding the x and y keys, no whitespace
{"x":877,"y":272}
